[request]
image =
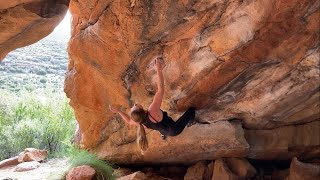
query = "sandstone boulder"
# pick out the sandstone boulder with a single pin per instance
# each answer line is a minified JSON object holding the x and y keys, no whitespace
{"x":280,"y":174}
{"x":257,"y":61}
{"x":233,"y":168}
{"x":303,"y":171}
{"x":195,"y":143}
{"x":222,"y":171}
{"x":32,"y":154}
{"x":209,"y":171}
{"x":241,"y":167}
{"x":27,"y":166}
{"x":84,"y":172}
{"x":9,"y":162}
{"x":285,"y":142}
{"x":24,"y":22}
{"x":196,"y":172}
{"x":142,"y":176}
{"x":120,"y":172}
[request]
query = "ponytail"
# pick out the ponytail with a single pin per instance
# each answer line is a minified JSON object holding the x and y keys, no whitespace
{"x":142,"y":138}
{"x":139,"y":117}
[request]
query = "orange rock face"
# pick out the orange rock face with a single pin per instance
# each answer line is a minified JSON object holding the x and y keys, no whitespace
{"x":301,"y":170}
{"x":83,"y":172}
{"x":285,"y":142}
{"x":253,"y":61}
{"x":256,"y":61}
{"x":24,"y":22}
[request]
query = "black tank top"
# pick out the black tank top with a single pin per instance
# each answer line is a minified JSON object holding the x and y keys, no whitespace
{"x":164,"y":127}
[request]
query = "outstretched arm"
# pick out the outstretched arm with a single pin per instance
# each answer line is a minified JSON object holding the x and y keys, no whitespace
{"x":123,"y":115}
{"x":157,"y":100}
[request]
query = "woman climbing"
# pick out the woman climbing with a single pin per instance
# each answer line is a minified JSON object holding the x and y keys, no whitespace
{"x":154,"y":117}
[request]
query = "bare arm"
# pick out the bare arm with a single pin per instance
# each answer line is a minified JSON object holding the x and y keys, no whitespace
{"x":157,"y":100}
{"x":123,"y":115}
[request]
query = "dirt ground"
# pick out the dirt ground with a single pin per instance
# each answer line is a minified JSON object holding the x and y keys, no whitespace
{"x":53,"y":169}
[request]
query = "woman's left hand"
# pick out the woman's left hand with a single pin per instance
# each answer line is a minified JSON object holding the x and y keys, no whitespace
{"x":112,"y":109}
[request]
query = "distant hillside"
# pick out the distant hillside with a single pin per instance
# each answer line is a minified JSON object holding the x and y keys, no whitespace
{"x":39,"y":65}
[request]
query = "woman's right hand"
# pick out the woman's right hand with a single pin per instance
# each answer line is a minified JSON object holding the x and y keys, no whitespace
{"x":112,"y":109}
{"x":159,"y":63}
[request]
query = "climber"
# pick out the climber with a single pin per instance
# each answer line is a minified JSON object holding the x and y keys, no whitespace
{"x":154,"y":117}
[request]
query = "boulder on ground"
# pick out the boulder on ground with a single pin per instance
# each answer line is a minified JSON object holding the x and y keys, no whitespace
{"x":142,"y":176}
{"x":122,"y":172}
{"x":280,"y":175}
{"x":27,"y":166}
{"x":209,"y":172}
{"x":303,"y":171}
{"x":84,"y":172}
{"x":196,"y":172}
{"x":222,"y":171}
{"x":32,"y":154}
{"x":233,"y":168}
{"x":241,"y":167}
{"x":9,"y":162}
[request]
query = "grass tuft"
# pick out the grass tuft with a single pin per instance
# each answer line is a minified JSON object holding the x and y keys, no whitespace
{"x":79,"y":157}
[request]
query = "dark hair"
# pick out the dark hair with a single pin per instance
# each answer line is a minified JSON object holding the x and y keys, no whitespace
{"x":139,"y":116}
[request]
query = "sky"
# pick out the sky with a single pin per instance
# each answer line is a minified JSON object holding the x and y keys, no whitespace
{"x":64,"y":27}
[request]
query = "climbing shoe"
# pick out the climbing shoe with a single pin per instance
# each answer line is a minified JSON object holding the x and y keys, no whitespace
{"x":163,"y":137}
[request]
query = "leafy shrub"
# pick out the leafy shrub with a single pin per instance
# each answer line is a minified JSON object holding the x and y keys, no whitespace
{"x":43,"y":80}
{"x":38,"y":119}
{"x":41,"y":73}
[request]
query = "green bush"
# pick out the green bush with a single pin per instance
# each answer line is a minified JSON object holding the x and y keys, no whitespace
{"x":41,"y":72}
{"x":38,"y":119}
{"x":43,"y":80}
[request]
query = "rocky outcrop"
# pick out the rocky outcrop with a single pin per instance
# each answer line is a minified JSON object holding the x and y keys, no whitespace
{"x":221,"y":139}
{"x":252,"y":61}
{"x":141,"y":176}
{"x":241,"y":167}
{"x":27,"y":166}
{"x":27,"y":155}
{"x":233,"y":168}
{"x":197,"y":172}
{"x":24,"y":22}
{"x":222,"y":171}
{"x":303,"y":171}
{"x":32,"y":154}
{"x":256,"y":61}
{"x":285,"y":142}
{"x":84,"y":172}
{"x":9,"y":162}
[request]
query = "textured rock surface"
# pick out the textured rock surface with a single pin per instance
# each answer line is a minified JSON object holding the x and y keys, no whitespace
{"x":257,"y":61}
{"x":222,"y":171}
{"x":9,"y":162}
{"x":84,"y":172}
{"x":303,"y":171}
{"x":32,"y":154}
{"x":27,"y":166}
{"x":196,"y":172}
{"x":24,"y":22}
{"x":51,"y":169}
{"x":221,"y":139}
{"x":241,"y":167}
{"x":285,"y":142}
{"x":233,"y":168}
{"x":141,"y":176}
